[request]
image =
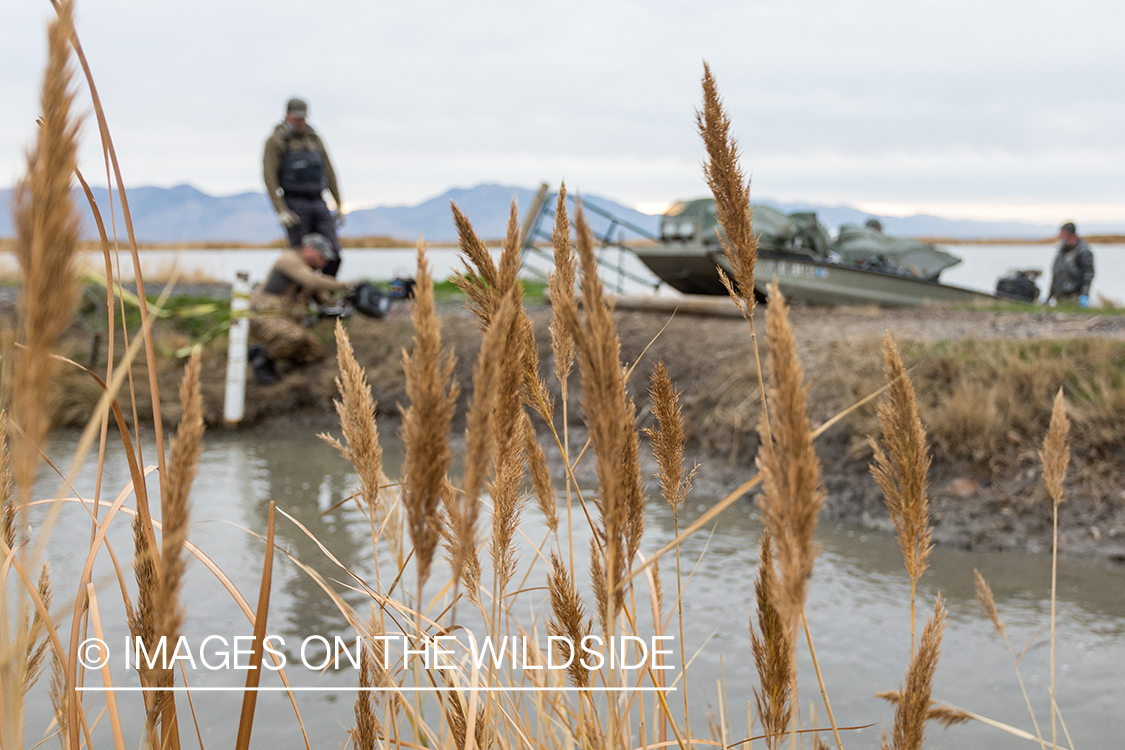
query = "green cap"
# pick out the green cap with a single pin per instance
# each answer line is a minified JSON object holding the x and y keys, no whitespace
{"x":296,"y":108}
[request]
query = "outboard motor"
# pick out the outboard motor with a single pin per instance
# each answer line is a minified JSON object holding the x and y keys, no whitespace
{"x":1019,"y":285}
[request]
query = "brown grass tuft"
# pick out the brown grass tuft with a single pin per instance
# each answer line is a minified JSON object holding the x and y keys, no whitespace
{"x":425,"y":424}
{"x":668,"y":438}
{"x":988,"y":603}
{"x":356,"y":409}
{"x":47,"y":237}
{"x":540,"y":476}
{"x":608,"y":413}
{"x":901,"y":467}
{"x":8,"y":507}
{"x":175,"y":513}
{"x":561,"y":282}
{"x":732,"y":194}
{"x":913,"y":704}
{"x":365,"y":734}
{"x":773,"y":652}
{"x":792,"y":494}
{"x":569,"y":620}
{"x":1056,"y":450}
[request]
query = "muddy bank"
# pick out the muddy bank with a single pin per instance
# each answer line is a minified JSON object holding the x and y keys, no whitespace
{"x":986,"y":486}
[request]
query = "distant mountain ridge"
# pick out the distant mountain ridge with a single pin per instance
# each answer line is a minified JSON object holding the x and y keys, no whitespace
{"x":186,"y":214}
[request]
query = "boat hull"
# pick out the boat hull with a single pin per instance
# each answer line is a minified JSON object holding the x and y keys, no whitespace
{"x":692,"y":269}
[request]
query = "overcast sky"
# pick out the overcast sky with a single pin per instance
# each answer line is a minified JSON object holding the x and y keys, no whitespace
{"x":983,"y":109}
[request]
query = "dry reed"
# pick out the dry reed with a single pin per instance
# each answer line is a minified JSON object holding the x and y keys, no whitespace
{"x":732,"y":195}
{"x":175,"y":513}
{"x":1055,"y":456}
{"x":792,"y":494}
{"x":569,"y":620}
{"x":356,"y":410}
{"x":46,"y":226}
{"x":425,"y":424}
{"x":545,"y":498}
{"x":667,"y":439}
{"x":560,"y":282}
{"x":773,"y":654}
{"x":901,"y":467}
{"x":913,"y":704}
{"x":608,"y":409}
{"x":988,"y":603}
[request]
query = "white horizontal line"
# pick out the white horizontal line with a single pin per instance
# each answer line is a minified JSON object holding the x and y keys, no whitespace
{"x":357,"y":689}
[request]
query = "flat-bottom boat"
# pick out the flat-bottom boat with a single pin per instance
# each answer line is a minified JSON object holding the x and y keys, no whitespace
{"x":800,"y":256}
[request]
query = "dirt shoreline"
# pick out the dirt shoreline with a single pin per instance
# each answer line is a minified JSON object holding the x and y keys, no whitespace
{"x":994,"y":504}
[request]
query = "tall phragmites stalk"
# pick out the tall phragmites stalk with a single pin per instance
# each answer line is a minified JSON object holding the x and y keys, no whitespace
{"x":792,"y":494}
{"x":181,"y":473}
{"x":485,"y":284}
{"x":901,"y":467}
{"x":732,"y":195}
{"x":988,"y":603}
{"x":425,"y":424}
{"x":668,"y":447}
{"x":609,"y":420}
{"x":46,"y":227}
{"x":913,"y":703}
{"x":773,"y":656}
{"x":47,"y":235}
{"x":1056,"y":458}
{"x":561,"y":281}
{"x":356,"y":410}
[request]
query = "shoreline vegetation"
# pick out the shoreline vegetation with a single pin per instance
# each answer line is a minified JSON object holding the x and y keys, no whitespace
{"x":774,"y":392}
{"x":383,"y":242}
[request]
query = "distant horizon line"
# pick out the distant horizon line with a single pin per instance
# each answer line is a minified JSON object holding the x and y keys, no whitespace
{"x":651,"y":208}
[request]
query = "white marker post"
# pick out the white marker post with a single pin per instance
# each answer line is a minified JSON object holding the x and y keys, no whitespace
{"x":235,"y":402}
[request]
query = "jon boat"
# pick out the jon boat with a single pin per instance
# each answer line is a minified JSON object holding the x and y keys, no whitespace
{"x":860,"y":267}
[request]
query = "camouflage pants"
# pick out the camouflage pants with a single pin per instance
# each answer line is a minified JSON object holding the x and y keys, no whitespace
{"x":286,"y":341}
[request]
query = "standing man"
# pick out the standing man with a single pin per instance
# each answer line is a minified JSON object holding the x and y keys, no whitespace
{"x":1074,"y":268}
{"x":297,"y":170}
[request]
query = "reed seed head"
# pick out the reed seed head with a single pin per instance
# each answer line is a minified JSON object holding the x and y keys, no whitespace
{"x":561,"y":282}
{"x":913,"y":703}
{"x":984,"y":596}
{"x":176,"y":513}
{"x":1056,"y":450}
{"x":425,"y":424}
{"x":792,"y":494}
{"x":732,"y":194}
{"x":46,"y":226}
{"x":668,"y":438}
{"x":901,"y":464}
{"x":772,"y":651}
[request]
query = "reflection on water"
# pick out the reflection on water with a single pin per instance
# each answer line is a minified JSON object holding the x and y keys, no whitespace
{"x":858,"y":603}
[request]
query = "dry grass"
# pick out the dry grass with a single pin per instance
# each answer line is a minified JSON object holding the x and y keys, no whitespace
{"x":901,"y":467}
{"x":792,"y":494}
{"x":503,"y":452}
{"x":425,"y":424}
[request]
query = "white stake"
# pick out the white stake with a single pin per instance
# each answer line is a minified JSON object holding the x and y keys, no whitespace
{"x":235,"y":402}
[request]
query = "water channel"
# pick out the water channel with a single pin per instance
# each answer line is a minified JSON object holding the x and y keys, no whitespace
{"x":858,"y":606}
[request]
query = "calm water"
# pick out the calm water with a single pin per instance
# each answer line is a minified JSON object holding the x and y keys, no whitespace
{"x":858,"y":606}
{"x":981,"y":265}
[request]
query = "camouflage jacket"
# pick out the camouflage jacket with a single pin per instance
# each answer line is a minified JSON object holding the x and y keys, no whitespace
{"x":1073,"y":271}
{"x":286,"y":138}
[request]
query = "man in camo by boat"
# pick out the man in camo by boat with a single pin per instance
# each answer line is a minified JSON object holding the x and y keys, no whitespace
{"x":1073,"y":270}
{"x":281,"y":308}
{"x":297,"y":171}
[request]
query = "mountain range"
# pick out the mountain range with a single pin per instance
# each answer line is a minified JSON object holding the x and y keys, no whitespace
{"x":184,"y":214}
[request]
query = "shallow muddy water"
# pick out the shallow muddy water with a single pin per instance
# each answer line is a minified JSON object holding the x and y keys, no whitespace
{"x":858,"y":607}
